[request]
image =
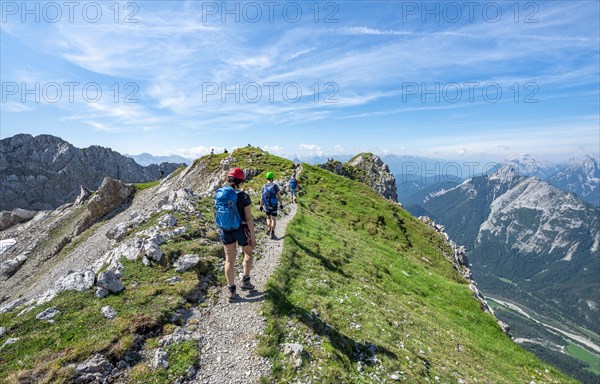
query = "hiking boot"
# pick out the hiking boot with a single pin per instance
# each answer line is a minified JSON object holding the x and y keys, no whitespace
{"x":246,"y":285}
{"x":232,"y":294}
{"x":273,"y":235}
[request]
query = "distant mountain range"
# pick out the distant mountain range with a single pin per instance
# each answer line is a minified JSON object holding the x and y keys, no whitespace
{"x":45,"y":171}
{"x":528,"y":242}
{"x":582,"y":178}
{"x":416,"y":176}
{"x":148,"y":159}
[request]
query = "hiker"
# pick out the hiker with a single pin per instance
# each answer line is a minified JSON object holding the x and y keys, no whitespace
{"x":270,"y":198}
{"x":294,"y":187}
{"x":225,"y":150}
{"x":162,"y":173}
{"x":234,"y":219}
{"x":212,"y":151}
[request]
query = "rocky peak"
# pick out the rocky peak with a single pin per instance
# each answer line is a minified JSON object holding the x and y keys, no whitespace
{"x":45,"y":172}
{"x":369,"y":169}
{"x":376,"y":174}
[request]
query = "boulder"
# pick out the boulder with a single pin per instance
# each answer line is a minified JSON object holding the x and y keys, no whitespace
{"x":84,"y":195}
{"x":293,"y":349}
{"x":101,"y":293}
{"x":109,"y":312}
{"x":186,"y":262}
{"x":160,"y":360}
{"x":76,"y":281}
{"x":9,"y":267}
{"x":111,"y":194}
{"x":109,"y":281}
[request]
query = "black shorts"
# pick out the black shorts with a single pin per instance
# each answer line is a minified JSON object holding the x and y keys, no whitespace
{"x":240,"y":235}
{"x":271,"y":210}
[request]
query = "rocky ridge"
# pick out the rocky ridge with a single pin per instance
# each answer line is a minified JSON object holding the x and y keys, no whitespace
{"x":45,"y":172}
{"x":369,"y":169}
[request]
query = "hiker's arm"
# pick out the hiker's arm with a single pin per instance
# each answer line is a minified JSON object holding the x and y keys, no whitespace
{"x":250,"y":223}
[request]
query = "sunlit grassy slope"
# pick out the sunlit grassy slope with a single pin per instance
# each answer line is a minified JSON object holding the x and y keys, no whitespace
{"x":370,"y":294}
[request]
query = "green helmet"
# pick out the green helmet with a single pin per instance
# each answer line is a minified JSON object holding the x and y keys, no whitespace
{"x":270,"y":175}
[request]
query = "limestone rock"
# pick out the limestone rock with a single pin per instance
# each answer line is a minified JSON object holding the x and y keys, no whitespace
{"x":186,"y":262}
{"x":109,"y":281}
{"x":76,"y":281}
{"x":369,"y":169}
{"x":96,"y":367}
{"x":101,"y":293}
{"x":109,"y":312}
{"x":160,"y":360}
{"x":293,"y":349}
{"x":47,"y":314}
{"x":111,"y":194}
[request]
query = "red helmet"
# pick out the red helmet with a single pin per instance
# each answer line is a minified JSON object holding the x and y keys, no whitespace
{"x":236,"y":173}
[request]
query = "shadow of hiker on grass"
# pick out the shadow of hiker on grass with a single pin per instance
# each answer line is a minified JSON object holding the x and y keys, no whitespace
{"x":324,"y":261}
{"x":354,"y":350}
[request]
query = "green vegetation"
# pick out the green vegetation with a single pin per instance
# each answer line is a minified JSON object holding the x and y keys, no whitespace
{"x":584,"y":355}
{"x":359,"y":275}
{"x":44,"y":349}
{"x":142,"y":186}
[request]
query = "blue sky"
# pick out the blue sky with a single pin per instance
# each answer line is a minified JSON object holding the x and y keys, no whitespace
{"x":441,"y":79}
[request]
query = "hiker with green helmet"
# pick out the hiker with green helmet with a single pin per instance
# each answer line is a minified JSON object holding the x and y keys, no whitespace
{"x":269,"y":200}
{"x":236,"y":225}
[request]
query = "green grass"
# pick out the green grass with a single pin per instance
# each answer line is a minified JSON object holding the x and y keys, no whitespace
{"x":45,"y":349}
{"x":355,"y":258}
{"x":180,"y":357}
{"x":584,"y":355}
{"x":141,"y":186}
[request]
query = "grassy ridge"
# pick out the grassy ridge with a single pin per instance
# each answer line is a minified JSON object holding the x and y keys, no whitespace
{"x":360,"y":275}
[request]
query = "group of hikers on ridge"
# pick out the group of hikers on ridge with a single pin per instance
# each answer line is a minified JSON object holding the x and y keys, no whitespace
{"x":234,"y":218}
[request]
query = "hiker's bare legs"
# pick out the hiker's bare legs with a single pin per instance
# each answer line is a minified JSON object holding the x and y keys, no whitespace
{"x":273,"y":223}
{"x":230,"y":263}
{"x":247,"y":260}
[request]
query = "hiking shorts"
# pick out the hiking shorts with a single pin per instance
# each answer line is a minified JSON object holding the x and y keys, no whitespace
{"x":271,"y":210}
{"x":294,"y":191}
{"x":240,"y":235}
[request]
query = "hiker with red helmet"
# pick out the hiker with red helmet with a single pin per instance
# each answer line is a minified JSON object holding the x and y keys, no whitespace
{"x":236,"y":225}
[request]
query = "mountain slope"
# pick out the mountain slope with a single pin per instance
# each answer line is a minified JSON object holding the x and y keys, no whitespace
{"x":581,"y":178}
{"x":44,"y":172}
{"x":368,"y":291}
{"x":370,"y":295}
{"x":533,"y":245}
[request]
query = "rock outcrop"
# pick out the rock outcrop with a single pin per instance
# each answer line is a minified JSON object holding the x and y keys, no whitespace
{"x":45,"y":172}
{"x":111,"y":194}
{"x":17,"y":215}
{"x":369,"y":169}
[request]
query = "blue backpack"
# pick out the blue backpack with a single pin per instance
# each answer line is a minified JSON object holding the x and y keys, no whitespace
{"x":293,"y":183}
{"x":227,"y":216}
{"x":269,"y":195}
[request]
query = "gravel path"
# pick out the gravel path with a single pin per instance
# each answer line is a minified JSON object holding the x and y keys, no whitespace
{"x":229,"y":330}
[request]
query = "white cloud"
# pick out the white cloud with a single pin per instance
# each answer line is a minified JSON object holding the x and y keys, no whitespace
{"x":310,"y":150}
{"x":15,"y":107}
{"x":338,"y":149}
{"x":274,"y":149}
{"x":195,"y":152}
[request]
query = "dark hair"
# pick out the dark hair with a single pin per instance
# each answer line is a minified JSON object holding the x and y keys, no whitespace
{"x":235,"y":181}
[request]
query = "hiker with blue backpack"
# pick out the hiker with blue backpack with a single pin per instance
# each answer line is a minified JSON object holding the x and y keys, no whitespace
{"x":270,"y":199}
{"x":294,"y":188}
{"x":236,"y":225}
